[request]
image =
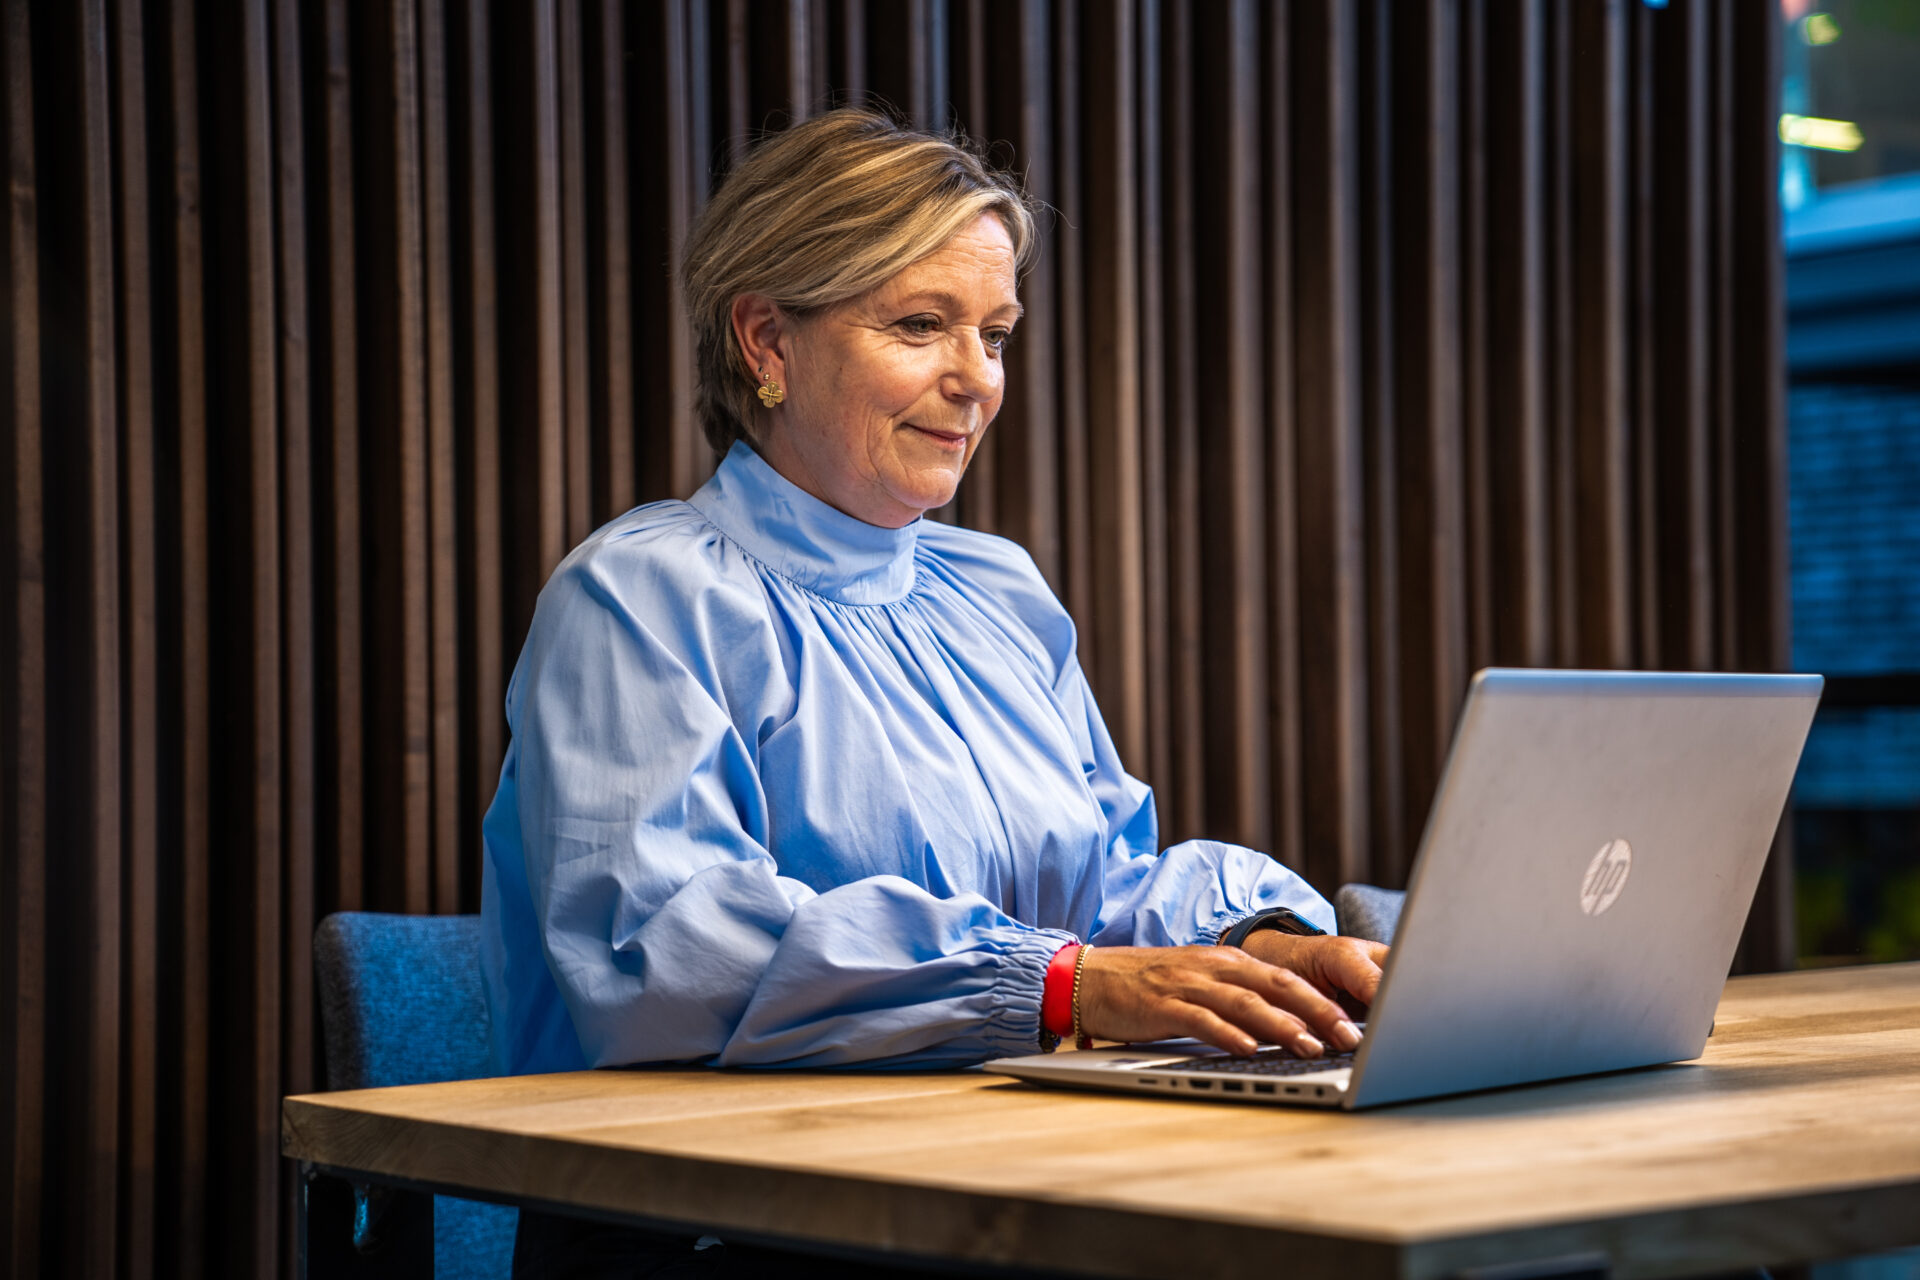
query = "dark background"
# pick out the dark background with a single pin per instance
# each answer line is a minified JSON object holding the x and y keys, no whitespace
{"x":1371,"y":343}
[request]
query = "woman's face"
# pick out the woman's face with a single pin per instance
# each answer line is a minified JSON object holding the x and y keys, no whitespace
{"x":889,"y":394}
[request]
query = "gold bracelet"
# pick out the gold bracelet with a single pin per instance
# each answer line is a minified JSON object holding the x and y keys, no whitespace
{"x":1081,"y":1040}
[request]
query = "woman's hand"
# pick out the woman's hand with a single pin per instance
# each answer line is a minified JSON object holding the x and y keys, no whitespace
{"x":1228,"y":997}
{"x":1336,"y":966}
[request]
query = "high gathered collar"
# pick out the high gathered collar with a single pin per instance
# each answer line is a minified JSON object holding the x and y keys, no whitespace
{"x":802,"y":538}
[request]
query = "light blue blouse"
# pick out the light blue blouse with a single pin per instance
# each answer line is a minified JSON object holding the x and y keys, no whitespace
{"x":786,"y":787}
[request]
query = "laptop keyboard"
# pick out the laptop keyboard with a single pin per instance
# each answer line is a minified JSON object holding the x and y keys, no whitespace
{"x":1264,"y":1062}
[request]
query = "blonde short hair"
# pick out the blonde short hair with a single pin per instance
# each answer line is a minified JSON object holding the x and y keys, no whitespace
{"x":820,"y":214}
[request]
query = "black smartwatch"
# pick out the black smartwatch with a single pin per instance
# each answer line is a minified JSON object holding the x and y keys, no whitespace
{"x":1281,"y":918}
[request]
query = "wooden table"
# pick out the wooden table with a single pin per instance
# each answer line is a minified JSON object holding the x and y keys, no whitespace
{"x":1797,"y":1137}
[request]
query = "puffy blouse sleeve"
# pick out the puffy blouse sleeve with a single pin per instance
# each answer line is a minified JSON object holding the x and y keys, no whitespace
{"x":1193,"y":891}
{"x":661,"y":914}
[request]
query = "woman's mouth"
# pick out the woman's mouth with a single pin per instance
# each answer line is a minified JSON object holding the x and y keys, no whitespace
{"x":956,"y":441}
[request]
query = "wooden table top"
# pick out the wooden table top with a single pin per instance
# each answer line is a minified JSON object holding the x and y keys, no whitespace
{"x":1796,"y":1137}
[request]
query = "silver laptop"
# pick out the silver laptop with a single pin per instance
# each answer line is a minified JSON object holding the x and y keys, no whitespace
{"x":1593,"y":848}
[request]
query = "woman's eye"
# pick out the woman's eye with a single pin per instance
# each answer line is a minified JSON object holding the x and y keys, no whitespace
{"x":998,"y":338}
{"x":921,"y":326}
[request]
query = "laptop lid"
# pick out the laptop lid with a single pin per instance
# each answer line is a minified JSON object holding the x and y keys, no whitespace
{"x":1595,"y":842}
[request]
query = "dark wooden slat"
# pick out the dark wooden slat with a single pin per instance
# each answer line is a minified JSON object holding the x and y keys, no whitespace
{"x":1599,"y":252}
{"x":1431,"y":490}
{"x":1232,"y":454}
{"x":1026,"y":432}
{"x":296,"y":497}
{"x":819,"y":55}
{"x":410,"y":601}
{"x":549,"y":334}
{"x":1185,"y":799}
{"x":1282,"y":430}
{"x":576,"y":326}
{"x":1758,"y":314}
{"x":900,"y":56}
{"x":731,"y":58}
{"x":1075,"y":586}
{"x":690,"y":459}
{"x":23,"y":665}
{"x":1644,"y":349}
{"x":613,"y":276}
{"x":798,"y":50}
{"x":1683,"y":334}
{"x":936,"y":92}
{"x":257,"y":1231}
{"x":191,"y":1103}
{"x":298,"y":868}
{"x":851,"y":54}
{"x":673,"y":456}
{"x":343,"y":815}
{"x":1332,"y":573}
{"x":977,"y":497}
{"x":1380,"y":447}
{"x":450,"y":850}
{"x":140,"y":852}
{"x":483,"y":599}
{"x":1475,"y":351}
{"x":1113,"y":389}
{"x":1516,"y":323}
{"x":695,"y":86}
{"x":100,"y":800}
{"x":1157,"y":766}
{"x":967,"y":47}
{"x":1722,"y":445}
{"x":1562,"y":463}
{"x":1762,"y":597}
{"x":1693,"y":367}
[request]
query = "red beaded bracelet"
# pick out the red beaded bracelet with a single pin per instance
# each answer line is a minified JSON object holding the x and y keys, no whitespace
{"x":1056,"y":998}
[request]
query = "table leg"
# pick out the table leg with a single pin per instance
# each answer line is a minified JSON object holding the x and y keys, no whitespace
{"x":367,"y":1232}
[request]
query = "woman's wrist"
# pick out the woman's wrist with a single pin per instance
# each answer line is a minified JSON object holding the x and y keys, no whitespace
{"x":1274,"y":947}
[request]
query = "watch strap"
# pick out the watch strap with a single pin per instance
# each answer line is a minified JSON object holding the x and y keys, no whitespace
{"x":1283,"y":919}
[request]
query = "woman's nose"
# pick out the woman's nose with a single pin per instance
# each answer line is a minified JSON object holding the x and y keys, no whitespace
{"x":975,"y":373}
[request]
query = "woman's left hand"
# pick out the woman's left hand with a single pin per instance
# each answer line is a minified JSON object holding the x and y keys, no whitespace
{"x":1337,"y":966}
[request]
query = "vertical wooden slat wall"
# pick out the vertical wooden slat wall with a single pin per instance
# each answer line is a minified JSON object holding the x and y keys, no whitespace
{"x":1367,"y":344}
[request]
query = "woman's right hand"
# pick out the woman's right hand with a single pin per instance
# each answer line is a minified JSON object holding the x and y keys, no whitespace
{"x":1220,"y":995}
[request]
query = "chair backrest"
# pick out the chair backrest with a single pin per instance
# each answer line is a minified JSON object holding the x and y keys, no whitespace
{"x":401,"y":1001}
{"x":1368,"y":911}
{"x":400,"y":998}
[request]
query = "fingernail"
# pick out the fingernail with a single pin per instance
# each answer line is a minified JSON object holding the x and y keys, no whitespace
{"x":1308,"y":1047}
{"x":1346,"y":1035}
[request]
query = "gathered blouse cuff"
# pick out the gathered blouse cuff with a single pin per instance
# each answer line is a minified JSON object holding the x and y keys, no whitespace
{"x":1012,"y":1026}
{"x":1222,"y":920}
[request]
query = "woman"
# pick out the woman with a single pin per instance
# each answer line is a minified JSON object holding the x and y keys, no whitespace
{"x":799,"y":778}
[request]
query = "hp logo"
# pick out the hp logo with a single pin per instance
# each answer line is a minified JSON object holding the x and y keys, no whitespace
{"x":1606,"y":876}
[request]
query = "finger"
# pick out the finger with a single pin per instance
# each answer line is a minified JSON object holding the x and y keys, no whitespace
{"x":1204,"y":1024}
{"x":1249,"y":1011}
{"x":1299,"y":997}
{"x":1356,"y":968}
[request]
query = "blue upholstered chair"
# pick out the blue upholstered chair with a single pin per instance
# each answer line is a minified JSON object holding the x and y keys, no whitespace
{"x":401,"y":1001}
{"x":1366,"y":911}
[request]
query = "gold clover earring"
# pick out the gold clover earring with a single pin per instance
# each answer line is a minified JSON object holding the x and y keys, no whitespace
{"x":771,"y":393}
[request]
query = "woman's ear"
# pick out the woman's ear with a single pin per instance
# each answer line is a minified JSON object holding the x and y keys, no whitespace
{"x":761,"y":329}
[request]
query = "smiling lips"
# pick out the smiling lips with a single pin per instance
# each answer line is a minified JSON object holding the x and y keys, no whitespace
{"x":944,"y":439}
